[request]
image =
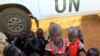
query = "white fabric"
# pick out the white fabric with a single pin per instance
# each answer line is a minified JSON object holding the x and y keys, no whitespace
{"x":3,"y":43}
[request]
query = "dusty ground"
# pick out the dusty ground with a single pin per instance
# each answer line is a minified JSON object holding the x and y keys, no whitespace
{"x":89,"y":25}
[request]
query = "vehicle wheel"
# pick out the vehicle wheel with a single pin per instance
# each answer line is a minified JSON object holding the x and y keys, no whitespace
{"x":14,"y":21}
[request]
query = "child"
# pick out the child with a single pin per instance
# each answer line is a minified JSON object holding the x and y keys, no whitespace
{"x":31,"y":44}
{"x":80,"y":37}
{"x":20,"y":41}
{"x":12,"y":51}
{"x":74,"y":42}
{"x":93,"y":52}
{"x":47,"y":35}
{"x":40,"y":37}
{"x":57,"y":45}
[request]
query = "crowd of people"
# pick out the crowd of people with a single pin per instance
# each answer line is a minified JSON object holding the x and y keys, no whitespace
{"x":53,"y":44}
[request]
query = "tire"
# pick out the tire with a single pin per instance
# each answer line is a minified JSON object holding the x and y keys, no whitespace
{"x":14,"y":21}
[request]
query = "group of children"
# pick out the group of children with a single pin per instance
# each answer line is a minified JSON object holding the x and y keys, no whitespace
{"x":61,"y":46}
{"x":29,"y":44}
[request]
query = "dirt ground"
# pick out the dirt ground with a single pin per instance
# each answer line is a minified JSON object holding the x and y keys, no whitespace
{"x":89,"y":25}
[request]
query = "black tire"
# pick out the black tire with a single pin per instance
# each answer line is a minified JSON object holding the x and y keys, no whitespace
{"x":14,"y":21}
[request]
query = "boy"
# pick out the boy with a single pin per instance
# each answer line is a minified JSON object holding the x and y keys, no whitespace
{"x":93,"y":52}
{"x":74,"y":42}
{"x":20,"y":42}
{"x":41,"y":40}
{"x":31,"y":44}
{"x":40,"y":36}
{"x":47,"y":35}
{"x":80,"y":37}
{"x":57,"y":45}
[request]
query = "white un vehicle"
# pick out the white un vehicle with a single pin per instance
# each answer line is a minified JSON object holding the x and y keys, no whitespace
{"x":15,"y":19}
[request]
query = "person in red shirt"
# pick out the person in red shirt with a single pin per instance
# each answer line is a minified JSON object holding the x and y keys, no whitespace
{"x":57,"y":46}
{"x":74,"y":42}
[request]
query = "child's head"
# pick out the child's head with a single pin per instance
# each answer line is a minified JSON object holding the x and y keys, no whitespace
{"x":12,"y":51}
{"x":79,"y":33}
{"x":39,"y":32}
{"x":55,"y":32}
{"x":80,"y":36}
{"x":93,"y":52}
{"x":31,"y":34}
{"x":23,"y":35}
{"x":72,"y":34}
